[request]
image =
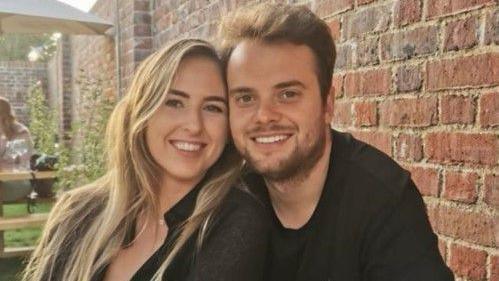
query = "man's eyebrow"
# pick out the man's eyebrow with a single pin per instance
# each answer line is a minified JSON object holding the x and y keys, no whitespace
{"x":289,"y":84}
{"x":240,"y":90}
{"x":178,"y":93}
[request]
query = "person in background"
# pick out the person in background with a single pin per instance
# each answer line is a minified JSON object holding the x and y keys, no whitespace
{"x":167,"y":208}
{"x":16,"y":145}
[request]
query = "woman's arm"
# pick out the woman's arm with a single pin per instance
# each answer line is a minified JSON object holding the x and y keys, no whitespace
{"x":236,"y":247}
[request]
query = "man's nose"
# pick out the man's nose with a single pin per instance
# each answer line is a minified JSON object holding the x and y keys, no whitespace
{"x":267,"y":112}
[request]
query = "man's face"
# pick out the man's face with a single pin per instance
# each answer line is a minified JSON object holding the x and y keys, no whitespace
{"x":278,"y":120}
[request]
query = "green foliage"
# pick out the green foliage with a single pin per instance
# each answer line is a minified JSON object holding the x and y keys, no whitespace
{"x":85,"y":162}
{"x":81,"y":154}
{"x":14,"y":47}
{"x":43,"y":123}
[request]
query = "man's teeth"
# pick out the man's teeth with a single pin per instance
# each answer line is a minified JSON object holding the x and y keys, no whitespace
{"x":271,"y":139}
{"x":186,"y":146}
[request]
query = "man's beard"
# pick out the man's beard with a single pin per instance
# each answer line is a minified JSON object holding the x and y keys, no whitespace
{"x":297,"y":165}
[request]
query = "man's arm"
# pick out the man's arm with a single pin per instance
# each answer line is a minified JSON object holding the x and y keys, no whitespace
{"x":401,"y":245}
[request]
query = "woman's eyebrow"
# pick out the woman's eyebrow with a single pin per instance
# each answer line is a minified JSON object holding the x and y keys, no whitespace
{"x":178,"y":93}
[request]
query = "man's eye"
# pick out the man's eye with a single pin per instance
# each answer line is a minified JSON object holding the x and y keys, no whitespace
{"x":288,"y":94}
{"x":214,"y":108}
{"x":174,"y":103}
{"x":244,"y":99}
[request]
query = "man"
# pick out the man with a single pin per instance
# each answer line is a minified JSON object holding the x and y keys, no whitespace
{"x":341,"y":209}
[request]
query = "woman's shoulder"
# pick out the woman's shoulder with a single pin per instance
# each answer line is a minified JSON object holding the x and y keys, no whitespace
{"x":242,"y":208}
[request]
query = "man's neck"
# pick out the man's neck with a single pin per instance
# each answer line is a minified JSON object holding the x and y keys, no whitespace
{"x":295,"y":200}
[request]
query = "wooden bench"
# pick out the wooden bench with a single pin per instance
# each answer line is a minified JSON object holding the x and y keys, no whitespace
{"x":30,"y":220}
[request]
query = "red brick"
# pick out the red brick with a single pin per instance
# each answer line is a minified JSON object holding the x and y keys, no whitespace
{"x":461,"y":34}
{"x":492,"y":28}
{"x":407,"y":12}
{"x":372,"y":19}
{"x":325,"y":7}
{"x":473,"y":71}
{"x":468,"y":262}
{"x":343,"y":56}
{"x":408,"y":78}
{"x":460,"y":186}
{"x":380,"y":140}
{"x":409,"y":147}
{"x":337,"y":84}
{"x":491,"y":186}
{"x":365,"y":114}
{"x":335,"y":27}
{"x":142,"y":30}
{"x":409,"y":112}
{"x":408,"y":44}
{"x":368,"y":83}
{"x":489,"y":110}
{"x":426,"y":179}
{"x":367,"y":52}
{"x":457,"y":109}
{"x":494,"y":268}
{"x":471,"y":226}
{"x":437,"y":8}
{"x":443,"y":147}
{"x":342,"y":113}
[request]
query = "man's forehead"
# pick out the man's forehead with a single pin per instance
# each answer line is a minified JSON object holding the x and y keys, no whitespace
{"x":249,"y":50}
{"x":277,"y":61}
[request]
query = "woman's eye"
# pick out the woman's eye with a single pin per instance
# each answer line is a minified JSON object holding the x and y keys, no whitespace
{"x":174,"y":103}
{"x":214,"y":108}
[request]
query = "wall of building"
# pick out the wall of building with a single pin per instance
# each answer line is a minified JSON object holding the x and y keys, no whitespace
{"x":418,"y":79}
{"x":16,"y":78}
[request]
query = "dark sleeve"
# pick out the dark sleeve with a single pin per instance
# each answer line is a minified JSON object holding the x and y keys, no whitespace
{"x":401,"y":244}
{"x":236,"y":247}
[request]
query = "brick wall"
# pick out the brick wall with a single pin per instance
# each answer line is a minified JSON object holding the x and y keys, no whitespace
{"x":419,"y":79}
{"x":16,"y":77}
{"x":60,"y":83}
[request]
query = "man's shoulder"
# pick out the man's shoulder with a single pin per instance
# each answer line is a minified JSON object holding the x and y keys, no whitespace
{"x":369,"y":166}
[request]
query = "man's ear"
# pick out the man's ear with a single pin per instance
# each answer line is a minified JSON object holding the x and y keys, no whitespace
{"x":329,"y":106}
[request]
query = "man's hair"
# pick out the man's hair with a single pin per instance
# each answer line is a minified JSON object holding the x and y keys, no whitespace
{"x":271,"y":23}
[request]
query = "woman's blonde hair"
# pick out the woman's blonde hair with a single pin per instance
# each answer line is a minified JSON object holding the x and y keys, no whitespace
{"x":7,"y":118}
{"x":89,"y":225}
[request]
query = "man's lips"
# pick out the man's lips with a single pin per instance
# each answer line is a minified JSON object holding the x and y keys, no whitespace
{"x":188,"y":146}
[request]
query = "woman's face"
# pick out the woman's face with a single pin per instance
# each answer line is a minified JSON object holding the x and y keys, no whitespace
{"x":188,"y":132}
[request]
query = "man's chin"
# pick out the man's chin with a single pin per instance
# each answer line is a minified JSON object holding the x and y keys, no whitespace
{"x":275,"y":170}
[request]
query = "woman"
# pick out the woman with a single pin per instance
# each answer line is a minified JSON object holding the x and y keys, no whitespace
{"x":166,"y":209}
{"x":12,"y":131}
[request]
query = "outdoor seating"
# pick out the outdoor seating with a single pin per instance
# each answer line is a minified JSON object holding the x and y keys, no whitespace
{"x":10,"y":194}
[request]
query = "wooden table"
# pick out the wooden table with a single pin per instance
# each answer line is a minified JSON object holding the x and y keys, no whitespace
{"x":30,"y":220}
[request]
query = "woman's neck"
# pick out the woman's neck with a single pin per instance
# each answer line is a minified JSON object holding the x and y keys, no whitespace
{"x":172,"y":190}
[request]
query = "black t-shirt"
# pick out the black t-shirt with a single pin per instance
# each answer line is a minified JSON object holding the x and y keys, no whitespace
{"x":370,"y":224}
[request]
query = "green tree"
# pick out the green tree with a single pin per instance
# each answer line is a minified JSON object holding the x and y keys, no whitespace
{"x":14,"y":47}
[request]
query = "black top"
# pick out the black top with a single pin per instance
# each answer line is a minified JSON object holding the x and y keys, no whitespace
{"x":370,"y":224}
{"x":234,"y":248}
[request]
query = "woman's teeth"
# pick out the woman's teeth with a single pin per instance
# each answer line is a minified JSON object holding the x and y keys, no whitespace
{"x":187,"y":146}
